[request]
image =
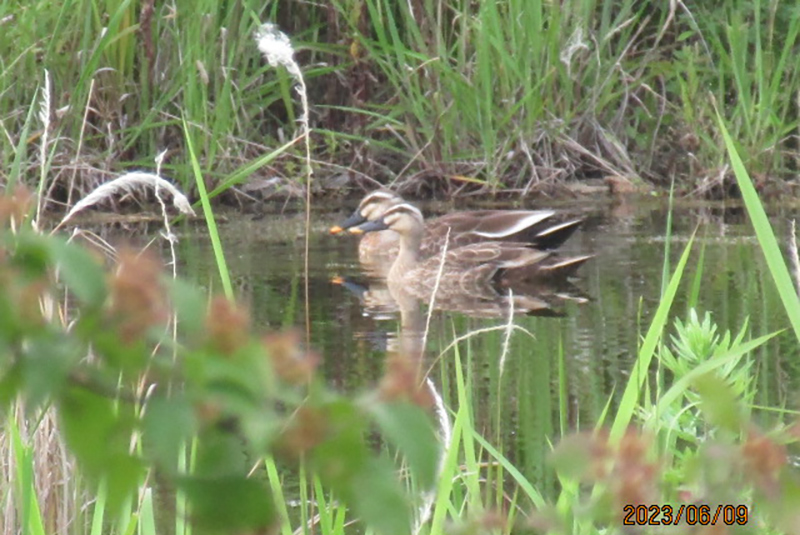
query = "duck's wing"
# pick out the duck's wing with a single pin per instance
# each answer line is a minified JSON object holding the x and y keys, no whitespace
{"x":502,"y":255}
{"x":488,"y":224}
{"x":539,"y":228}
{"x":551,"y":234}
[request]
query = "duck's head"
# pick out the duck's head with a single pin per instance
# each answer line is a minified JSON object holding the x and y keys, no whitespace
{"x":371,"y":208}
{"x":402,"y":218}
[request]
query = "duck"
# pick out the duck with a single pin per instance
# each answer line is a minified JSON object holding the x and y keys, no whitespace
{"x":475,"y":268}
{"x":541,"y":229}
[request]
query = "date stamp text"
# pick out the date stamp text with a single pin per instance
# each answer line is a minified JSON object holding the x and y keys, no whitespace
{"x":667,"y":515}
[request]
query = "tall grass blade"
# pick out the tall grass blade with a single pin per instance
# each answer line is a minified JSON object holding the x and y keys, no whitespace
{"x":208,"y":212}
{"x":668,"y":239}
{"x":277,"y":490}
{"x":766,"y":237}
{"x":450,"y":467}
{"x":246,"y":170}
{"x":99,"y":510}
{"x":147,"y":519}
{"x":523,"y":482}
{"x":22,"y":146}
{"x":30,"y":512}
{"x":639,"y":372}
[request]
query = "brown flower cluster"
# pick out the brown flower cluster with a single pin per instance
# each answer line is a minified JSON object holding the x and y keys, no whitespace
{"x":15,"y":206}
{"x":227,"y":326}
{"x":23,"y":294}
{"x":763,"y":461}
{"x":138,"y":299}
{"x":634,"y":478}
{"x":402,"y":381}
{"x":626,"y":468}
{"x":306,"y":428}
{"x":290,"y":360}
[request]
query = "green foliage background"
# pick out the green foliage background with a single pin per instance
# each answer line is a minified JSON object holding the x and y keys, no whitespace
{"x":510,"y":94}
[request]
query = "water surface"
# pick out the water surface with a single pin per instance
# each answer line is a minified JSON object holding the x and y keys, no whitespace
{"x":559,"y":372}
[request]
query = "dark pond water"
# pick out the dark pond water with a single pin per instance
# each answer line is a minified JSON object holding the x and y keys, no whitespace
{"x":560,"y":372}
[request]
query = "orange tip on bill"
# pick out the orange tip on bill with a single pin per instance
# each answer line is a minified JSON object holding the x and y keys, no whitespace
{"x":336,"y":229}
{"x":355,"y":230}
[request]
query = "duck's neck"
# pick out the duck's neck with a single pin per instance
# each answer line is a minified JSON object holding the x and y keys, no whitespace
{"x":408,"y":255}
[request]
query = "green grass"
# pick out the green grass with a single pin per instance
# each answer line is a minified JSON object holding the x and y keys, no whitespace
{"x":765,"y":234}
{"x":28,"y":503}
{"x":522,"y":94}
{"x":207,"y":70}
{"x":461,"y":94}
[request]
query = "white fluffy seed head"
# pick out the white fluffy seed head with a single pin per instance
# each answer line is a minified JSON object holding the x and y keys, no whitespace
{"x":275,"y":46}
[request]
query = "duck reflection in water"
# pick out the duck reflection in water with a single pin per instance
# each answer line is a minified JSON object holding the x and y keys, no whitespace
{"x":548,"y":300}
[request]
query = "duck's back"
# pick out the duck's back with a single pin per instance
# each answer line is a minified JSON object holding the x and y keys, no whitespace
{"x":537,"y":228}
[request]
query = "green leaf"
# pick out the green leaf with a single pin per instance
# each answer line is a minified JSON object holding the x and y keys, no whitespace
{"x":639,"y":373}
{"x":80,"y":271}
{"x":89,"y":425}
{"x":9,"y":325}
{"x":126,"y":357}
{"x":32,"y":255}
{"x":98,"y":435}
{"x":10,"y":384}
{"x":208,"y":212}
{"x":766,"y":237}
{"x":190,"y":306}
{"x":409,"y":428}
{"x":123,"y":474}
{"x":573,"y":457}
{"x":20,"y":152}
{"x":678,"y":388}
{"x":232,"y":503}
{"x":168,"y":423}
{"x":220,"y":453}
{"x":366,"y":484}
{"x":46,"y":364}
{"x":31,"y":520}
{"x":378,"y":498}
{"x":719,"y":403}
{"x":343,"y":452}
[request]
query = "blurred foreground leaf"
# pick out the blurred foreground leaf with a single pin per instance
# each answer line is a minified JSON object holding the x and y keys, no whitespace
{"x":368,"y":483}
{"x":99,"y":435}
{"x":409,"y":428}
{"x":231,"y":504}
{"x":81,"y":272}
{"x":168,"y":424}
{"x":719,"y":403}
{"x":132,"y":400}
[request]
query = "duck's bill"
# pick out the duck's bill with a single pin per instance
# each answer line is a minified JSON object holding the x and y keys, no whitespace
{"x":354,"y":220}
{"x":369,"y":226}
